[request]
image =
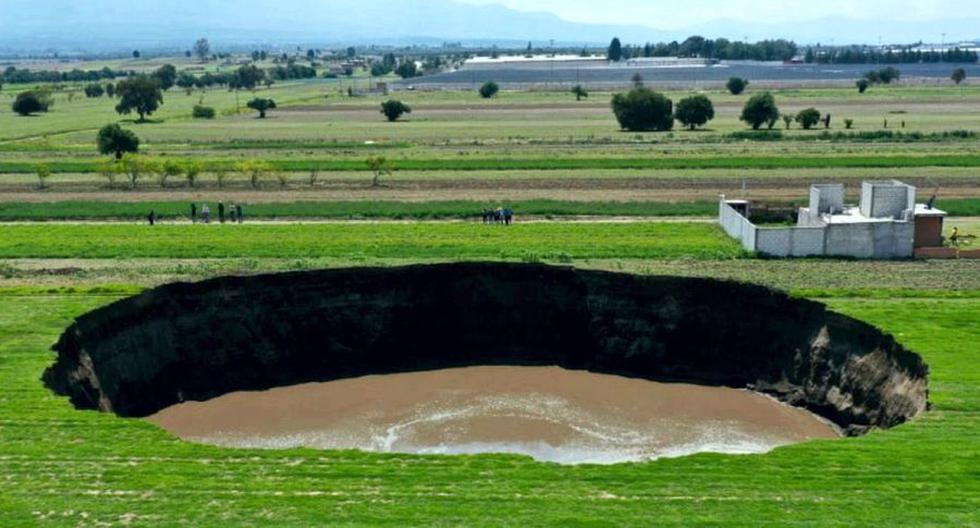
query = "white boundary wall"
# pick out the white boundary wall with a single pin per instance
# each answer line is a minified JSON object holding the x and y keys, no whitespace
{"x":737,"y":226}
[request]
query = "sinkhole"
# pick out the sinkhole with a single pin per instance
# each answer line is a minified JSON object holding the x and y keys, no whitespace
{"x":561,"y":364}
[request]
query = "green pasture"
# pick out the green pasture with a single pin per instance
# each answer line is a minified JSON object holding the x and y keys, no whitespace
{"x":63,"y":467}
{"x":411,"y":240}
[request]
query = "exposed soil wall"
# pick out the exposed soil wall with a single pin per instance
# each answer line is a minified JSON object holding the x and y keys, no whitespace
{"x":197,"y":341}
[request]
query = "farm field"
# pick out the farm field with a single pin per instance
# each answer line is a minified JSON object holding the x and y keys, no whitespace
{"x":584,"y":193}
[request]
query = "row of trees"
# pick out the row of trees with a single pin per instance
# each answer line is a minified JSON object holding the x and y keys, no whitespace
{"x":698,"y":46}
{"x":643,"y":110}
{"x":13,"y":75}
{"x":868,"y":55}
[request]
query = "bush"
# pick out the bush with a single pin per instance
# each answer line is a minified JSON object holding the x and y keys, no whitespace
{"x":203,"y":112}
{"x":694,"y":111}
{"x":862,"y":85}
{"x":808,"y":118}
{"x":394,"y":109}
{"x":94,"y":90}
{"x":760,"y":110}
{"x":959,"y":75}
{"x":643,"y":110}
{"x":736,"y":85}
{"x":848,"y":123}
{"x":32,"y":102}
{"x":489,"y":90}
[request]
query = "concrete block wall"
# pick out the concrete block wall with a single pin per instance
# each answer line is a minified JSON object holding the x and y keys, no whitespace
{"x":791,"y":241}
{"x":886,"y":199}
{"x":737,"y":226}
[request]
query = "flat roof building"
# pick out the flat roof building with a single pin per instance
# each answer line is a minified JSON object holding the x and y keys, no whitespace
{"x":887,"y":223}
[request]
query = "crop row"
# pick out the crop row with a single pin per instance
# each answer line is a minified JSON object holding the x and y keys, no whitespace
{"x":545,"y":163}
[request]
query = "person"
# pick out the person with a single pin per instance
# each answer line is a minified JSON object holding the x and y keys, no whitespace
{"x":240,"y":213}
{"x":193,"y":213}
{"x":221,"y":212}
{"x":206,"y":213}
{"x":152,"y":217}
{"x":232,"y":215}
{"x":508,"y":216}
{"x":955,"y":237}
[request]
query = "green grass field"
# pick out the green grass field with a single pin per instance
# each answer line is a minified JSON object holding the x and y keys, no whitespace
{"x":63,"y":467}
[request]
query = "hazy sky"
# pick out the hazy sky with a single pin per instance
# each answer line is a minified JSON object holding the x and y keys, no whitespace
{"x":674,"y":14}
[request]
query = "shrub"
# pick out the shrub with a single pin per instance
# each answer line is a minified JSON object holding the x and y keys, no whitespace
{"x":694,"y":111}
{"x":959,"y":75}
{"x":862,"y":85}
{"x":94,"y":90}
{"x":489,"y":90}
{"x":848,"y":123}
{"x":759,"y":110}
{"x":32,"y":102}
{"x":394,"y":109}
{"x":643,"y":110}
{"x":736,"y":85}
{"x":808,"y":118}
{"x":203,"y":112}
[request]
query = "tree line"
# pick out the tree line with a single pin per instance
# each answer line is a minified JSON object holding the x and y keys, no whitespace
{"x":865,"y":55}
{"x":698,"y":46}
{"x":14,"y":75}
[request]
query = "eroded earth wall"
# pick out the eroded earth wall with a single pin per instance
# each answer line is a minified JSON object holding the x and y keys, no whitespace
{"x":197,"y":341}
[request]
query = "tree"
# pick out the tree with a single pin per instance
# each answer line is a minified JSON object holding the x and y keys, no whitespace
{"x":580,"y":92}
{"x":759,"y":110}
{"x":166,"y":76}
{"x":254,"y":170}
{"x":808,"y":118}
{"x":248,"y":77}
{"x":94,"y":90}
{"x":787,"y":120}
{"x":169,"y":169}
{"x":615,"y":51}
{"x":379,"y":166}
{"x":261,"y":106}
{"x":115,"y":140}
{"x":136,"y":54}
{"x":192,"y":169}
{"x":959,"y":75}
{"x":489,"y":89}
{"x":394,"y":109}
{"x":31,"y":102}
{"x":694,"y":111}
{"x":43,"y":173}
{"x":140,"y":94}
{"x":110,"y":90}
{"x":134,"y":166}
{"x":407,"y":69}
{"x":736,"y":85}
{"x":643,"y":110}
{"x":863,"y":85}
{"x":202,"y":48}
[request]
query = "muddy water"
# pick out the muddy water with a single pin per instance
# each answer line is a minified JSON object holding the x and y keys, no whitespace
{"x":548,"y":413}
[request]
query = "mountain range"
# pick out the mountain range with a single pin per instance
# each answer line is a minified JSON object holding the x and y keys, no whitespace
{"x":104,"y":25}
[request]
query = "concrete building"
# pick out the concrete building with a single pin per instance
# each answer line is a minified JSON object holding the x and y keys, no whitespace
{"x":886,"y":224}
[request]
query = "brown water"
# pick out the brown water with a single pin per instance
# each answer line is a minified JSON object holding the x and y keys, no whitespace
{"x":548,"y":413}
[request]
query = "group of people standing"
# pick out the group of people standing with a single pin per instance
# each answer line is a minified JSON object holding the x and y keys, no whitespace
{"x":235,"y":213}
{"x":498,"y":216}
